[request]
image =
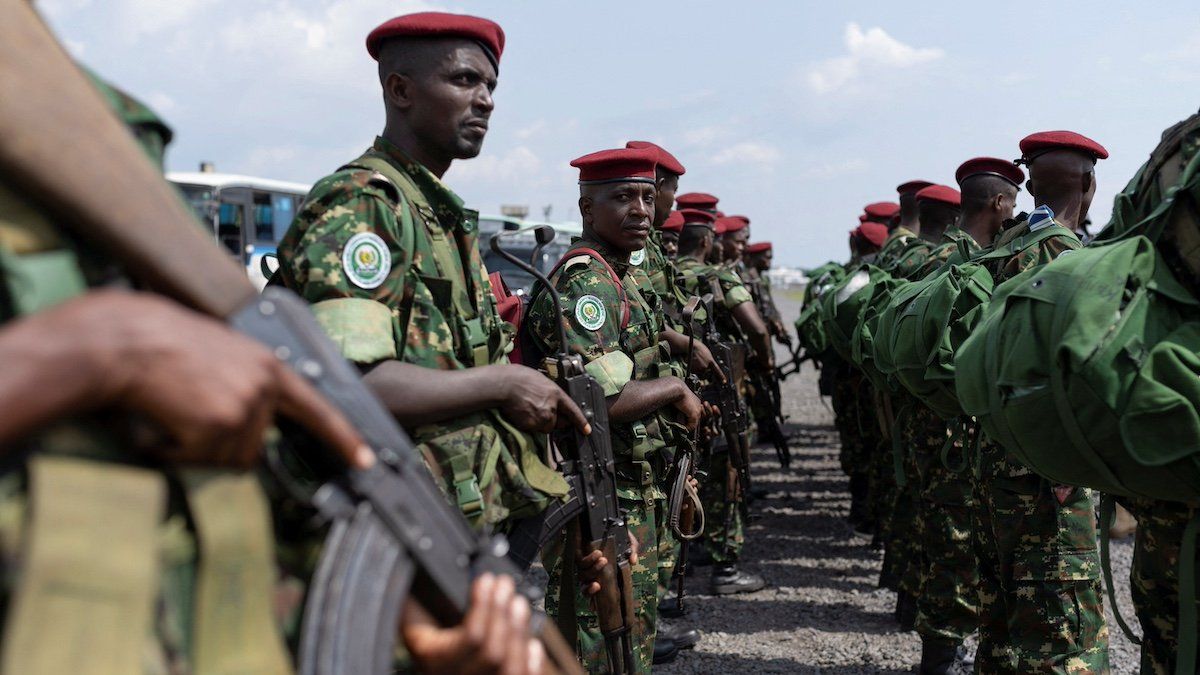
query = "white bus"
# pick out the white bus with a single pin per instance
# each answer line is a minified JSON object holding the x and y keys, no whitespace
{"x":247,"y":215}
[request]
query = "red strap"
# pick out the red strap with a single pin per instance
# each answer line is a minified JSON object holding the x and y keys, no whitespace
{"x":611,"y":273}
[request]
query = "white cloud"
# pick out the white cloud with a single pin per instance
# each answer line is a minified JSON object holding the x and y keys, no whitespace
{"x":869,"y":51}
{"x":161,"y":103}
{"x":514,"y":166}
{"x":748,"y":152}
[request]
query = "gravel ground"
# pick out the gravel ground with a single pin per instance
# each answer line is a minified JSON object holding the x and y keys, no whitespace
{"x":821,"y":611}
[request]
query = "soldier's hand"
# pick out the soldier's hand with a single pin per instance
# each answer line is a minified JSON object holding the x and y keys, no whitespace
{"x":493,"y":637}
{"x":533,"y":402}
{"x":214,"y":391}
{"x":703,"y":362}
{"x":691,"y":408}
{"x":589,"y":568}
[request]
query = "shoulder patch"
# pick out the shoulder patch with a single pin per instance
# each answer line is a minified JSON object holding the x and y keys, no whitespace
{"x":637,"y":257}
{"x":366,"y":260}
{"x":590,"y":312}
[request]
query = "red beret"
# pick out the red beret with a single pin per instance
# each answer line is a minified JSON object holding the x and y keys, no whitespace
{"x":665,"y":159}
{"x":620,"y":165}
{"x":990,"y":166}
{"x":744,"y":219}
{"x":758,"y":247}
{"x":487,"y":33}
{"x":727,"y":224}
{"x":696,"y":217}
{"x":696,"y":200}
{"x":673,"y":223}
{"x":940,"y":193}
{"x":881,"y":210}
{"x":912,"y":186}
{"x":1044,"y":141}
{"x":875,"y":233}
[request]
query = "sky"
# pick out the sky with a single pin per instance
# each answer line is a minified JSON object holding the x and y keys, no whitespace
{"x":793,"y":113}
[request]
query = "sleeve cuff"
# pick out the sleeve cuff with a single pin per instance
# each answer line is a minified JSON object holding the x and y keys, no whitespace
{"x":612,"y":370}
{"x":361,"y":328}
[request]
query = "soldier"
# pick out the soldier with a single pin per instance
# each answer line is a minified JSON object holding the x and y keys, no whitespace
{"x":701,"y":201}
{"x":735,"y":313}
{"x":1040,"y":595}
{"x":939,"y":207}
{"x":909,"y":219}
{"x":989,"y":188}
{"x":107,"y":543}
{"x":655,"y":274}
{"x":387,"y":255}
{"x":670,"y":235}
{"x":618,"y":331}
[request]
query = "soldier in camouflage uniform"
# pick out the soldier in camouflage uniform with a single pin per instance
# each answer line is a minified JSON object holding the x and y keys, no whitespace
{"x":617,"y":329}
{"x":1041,"y":608}
{"x":948,"y":604}
{"x":654,"y":273}
{"x":387,"y":254}
{"x":735,"y":315}
{"x":102,"y":531}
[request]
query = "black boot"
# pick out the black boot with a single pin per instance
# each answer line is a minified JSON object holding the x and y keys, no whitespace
{"x":669,"y":608}
{"x":906,"y":611}
{"x":682,"y":636}
{"x":727,"y":579}
{"x":941,"y":657}
{"x":665,"y":650}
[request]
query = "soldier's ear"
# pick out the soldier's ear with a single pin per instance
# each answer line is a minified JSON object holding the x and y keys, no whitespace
{"x":397,"y":90}
{"x":585,"y":209}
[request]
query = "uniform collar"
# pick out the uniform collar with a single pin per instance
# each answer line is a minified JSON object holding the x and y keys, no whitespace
{"x":609,"y":253}
{"x":440,"y":197}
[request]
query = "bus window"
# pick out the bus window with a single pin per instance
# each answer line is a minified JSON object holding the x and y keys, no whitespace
{"x":264,"y":218}
{"x":229,"y":228}
{"x":283,"y":207}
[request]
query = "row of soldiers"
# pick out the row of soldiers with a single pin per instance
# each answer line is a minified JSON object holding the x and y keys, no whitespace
{"x":135,"y":527}
{"x":974,"y":540}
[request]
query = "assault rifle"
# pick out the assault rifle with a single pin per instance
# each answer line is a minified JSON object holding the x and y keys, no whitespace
{"x":393,"y":533}
{"x":735,"y":421}
{"x":682,"y":515}
{"x":767,"y":388}
{"x":590,"y":469}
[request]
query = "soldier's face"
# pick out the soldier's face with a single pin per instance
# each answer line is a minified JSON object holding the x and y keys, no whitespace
{"x":670,"y":243}
{"x":667,"y":185}
{"x":734,"y":243}
{"x":621,"y":213}
{"x":452,"y":102}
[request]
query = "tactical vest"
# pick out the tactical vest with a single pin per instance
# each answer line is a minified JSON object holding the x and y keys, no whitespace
{"x":476,"y":454}
{"x":102,"y":548}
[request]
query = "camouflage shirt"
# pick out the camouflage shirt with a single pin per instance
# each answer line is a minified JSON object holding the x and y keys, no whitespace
{"x":696,"y":278}
{"x":615,"y":327}
{"x":1027,"y":243}
{"x":388,"y":256}
{"x":948,"y":251}
{"x":897,"y":241}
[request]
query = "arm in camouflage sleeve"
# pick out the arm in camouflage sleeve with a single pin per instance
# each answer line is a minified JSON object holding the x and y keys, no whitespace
{"x":362,"y":321}
{"x":629,"y":399}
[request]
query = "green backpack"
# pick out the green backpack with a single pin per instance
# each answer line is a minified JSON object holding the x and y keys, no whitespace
{"x":842,"y":307}
{"x":927,"y":323}
{"x":1088,"y":370}
{"x":809,"y":329}
{"x":869,"y":325}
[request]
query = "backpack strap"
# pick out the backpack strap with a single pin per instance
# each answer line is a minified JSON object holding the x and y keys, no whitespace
{"x":1108,"y":505}
{"x":592,"y":253}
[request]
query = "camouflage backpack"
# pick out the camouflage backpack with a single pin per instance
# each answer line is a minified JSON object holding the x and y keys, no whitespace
{"x":1088,"y":369}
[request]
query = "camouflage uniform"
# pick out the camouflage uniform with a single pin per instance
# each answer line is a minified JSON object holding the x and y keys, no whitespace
{"x":1041,"y":608}
{"x":100,"y":547}
{"x":592,"y":315}
{"x":428,"y":303}
{"x":725,"y":532}
{"x":1154,"y":578}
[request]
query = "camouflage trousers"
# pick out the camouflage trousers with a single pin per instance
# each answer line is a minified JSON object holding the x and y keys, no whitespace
{"x":846,"y":418}
{"x":1040,"y":595}
{"x":668,"y":552}
{"x":725,"y":526}
{"x":643,"y":517}
{"x":948,"y":603}
{"x":1154,"y":579}
{"x":921,"y":436}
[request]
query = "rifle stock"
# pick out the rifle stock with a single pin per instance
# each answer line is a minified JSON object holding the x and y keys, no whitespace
{"x":63,"y":149}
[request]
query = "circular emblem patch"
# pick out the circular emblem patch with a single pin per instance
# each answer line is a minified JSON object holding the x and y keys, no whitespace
{"x":637,"y":257}
{"x":366,"y":260}
{"x":589,"y":312}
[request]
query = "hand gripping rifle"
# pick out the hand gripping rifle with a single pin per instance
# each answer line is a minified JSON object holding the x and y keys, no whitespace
{"x":393,"y":534}
{"x":684,"y":507}
{"x":590,"y":469}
